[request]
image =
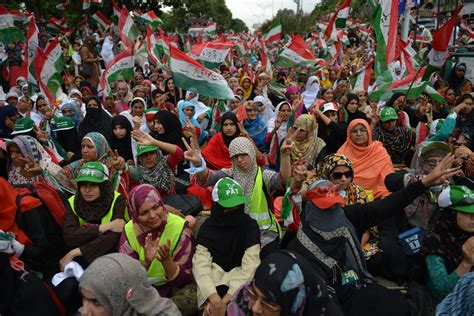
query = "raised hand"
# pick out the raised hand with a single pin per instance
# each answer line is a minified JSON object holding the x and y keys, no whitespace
{"x":243,"y":132}
{"x":117,"y":162}
{"x":468,"y":251}
{"x":442,"y":172}
{"x":278,"y":122}
{"x":287,"y":144}
{"x":137,"y":122}
{"x":191,"y":153}
{"x":300,"y":172}
{"x":190,"y":127}
{"x":143,"y":139}
{"x":151,"y":248}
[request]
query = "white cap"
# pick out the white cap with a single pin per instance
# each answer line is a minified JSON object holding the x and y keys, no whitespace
{"x":329,"y":106}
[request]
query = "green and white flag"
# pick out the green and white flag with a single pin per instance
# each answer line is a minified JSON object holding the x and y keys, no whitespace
{"x":120,"y":68}
{"x":295,"y":54}
{"x":190,"y":75}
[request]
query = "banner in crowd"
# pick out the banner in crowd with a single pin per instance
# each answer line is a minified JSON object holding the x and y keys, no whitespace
{"x":190,"y":75}
{"x":9,"y":33}
{"x":120,"y":68}
{"x":149,"y":18}
{"x":32,"y":43}
{"x":211,"y":55}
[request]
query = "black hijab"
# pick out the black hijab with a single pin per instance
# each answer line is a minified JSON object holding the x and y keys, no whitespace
{"x":123,"y":145}
{"x":357,"y":114}
{"x":96,"y":120}
{"x":92,"y":212}
{"x":233,"y":117}
{"x":227,"y":235}
{"x":445,"y":239}
{"x":172,"y":126}
{"x":288,"y":279}
{"x":69,"y":140}
{"x":392,"y":99}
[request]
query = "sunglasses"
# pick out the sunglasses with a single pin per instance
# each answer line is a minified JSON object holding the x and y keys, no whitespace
{"x":338,"y":175}
{"x":251,"y":109}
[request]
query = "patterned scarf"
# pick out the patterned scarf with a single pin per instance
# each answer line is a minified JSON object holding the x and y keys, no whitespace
{"x":396,"y":142}
{"x":353,"y":193}
{"x":309,"y":148}
{"x":160,"y":176}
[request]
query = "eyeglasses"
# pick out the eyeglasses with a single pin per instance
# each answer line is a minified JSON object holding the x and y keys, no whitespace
{"x":268,"y":305}
{"x":339,"y":175}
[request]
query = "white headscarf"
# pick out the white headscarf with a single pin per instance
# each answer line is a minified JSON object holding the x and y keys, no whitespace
{"x":267,"y":114}
{"x":283,"y":130}
{"x":311,"y":92}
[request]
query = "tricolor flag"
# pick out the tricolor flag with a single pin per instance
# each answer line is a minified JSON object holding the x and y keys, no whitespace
{"x":152,"y":46}
{"x":241,"y":47}
{"x":120,"y":68}
{"x":32,"y":43}
{"x":210,"y":29}
{"x":57,"y":25}
{"x":128,"y":31}
{"x":412,"y":86}
{"x":62,"y":6}
{"x":86,"y":4}
{"x":441,"y":37}
{"x":100,"y":19}
{"x":55,"y":54}
{"x":116,"y":9}
{"x":211,"y":55}
{"x":49,"y":79}
{"x":361,"y":79}
{"x":386,"y":30}
{"x":264,"y":59}
{"x":342,"y":14}
{"x":149,"y":18}
{"x":274,"y":34}
{"x":190,"y":75}
{"x":8,"y":31}
{"x":296,"y":53}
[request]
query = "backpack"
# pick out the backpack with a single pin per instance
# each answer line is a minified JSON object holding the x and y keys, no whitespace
{"x":55,"y":201}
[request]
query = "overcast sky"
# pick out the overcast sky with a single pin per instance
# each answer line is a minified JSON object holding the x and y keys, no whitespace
{"x":257,"y":11}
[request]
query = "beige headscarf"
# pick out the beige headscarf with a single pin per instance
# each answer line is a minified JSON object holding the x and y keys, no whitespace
{"x":121,"y":286}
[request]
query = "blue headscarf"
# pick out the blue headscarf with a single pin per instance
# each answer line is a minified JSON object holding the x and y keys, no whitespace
{"x":184,"y":120}
{"x":71,"y":105}
{"x":257,"y":129}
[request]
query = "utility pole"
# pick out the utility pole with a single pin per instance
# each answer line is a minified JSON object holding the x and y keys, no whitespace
{"x":298,"y":5}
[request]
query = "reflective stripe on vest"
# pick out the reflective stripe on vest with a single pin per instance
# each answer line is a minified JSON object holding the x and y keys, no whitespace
{"x":259,"y":210}
{"x":173,"y":230}
{"x":107,"y":217}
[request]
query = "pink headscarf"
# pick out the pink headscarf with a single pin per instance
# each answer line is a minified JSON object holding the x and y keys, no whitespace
{"x":142,"y":194}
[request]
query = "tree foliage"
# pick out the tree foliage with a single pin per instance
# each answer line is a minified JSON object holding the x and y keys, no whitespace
{"x":175,"y":19}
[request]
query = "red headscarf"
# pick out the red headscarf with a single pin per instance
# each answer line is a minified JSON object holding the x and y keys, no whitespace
{"x":371,"y":163}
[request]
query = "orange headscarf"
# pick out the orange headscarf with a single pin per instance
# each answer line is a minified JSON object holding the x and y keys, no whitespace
{"x":371,"y":163}
{"x":8,"y":197}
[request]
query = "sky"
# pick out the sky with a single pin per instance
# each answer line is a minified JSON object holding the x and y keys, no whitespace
{"x":257,"y":11}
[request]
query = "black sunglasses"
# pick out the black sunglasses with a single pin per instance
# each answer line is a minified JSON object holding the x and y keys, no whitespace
{"x":338,"y":175}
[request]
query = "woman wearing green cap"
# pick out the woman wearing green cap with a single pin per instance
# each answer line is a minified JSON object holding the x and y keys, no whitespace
{"x":228,"y":247}
{"x":93,"y":225}
{"x":397,"y":140}
{"x":449,"y":244}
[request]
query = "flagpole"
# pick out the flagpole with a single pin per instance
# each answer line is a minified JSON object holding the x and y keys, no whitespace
{"x":414,"y":79}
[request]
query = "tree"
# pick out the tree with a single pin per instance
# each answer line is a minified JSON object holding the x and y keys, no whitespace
{"x":291,"y":23}
{"x":238,"y":25}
